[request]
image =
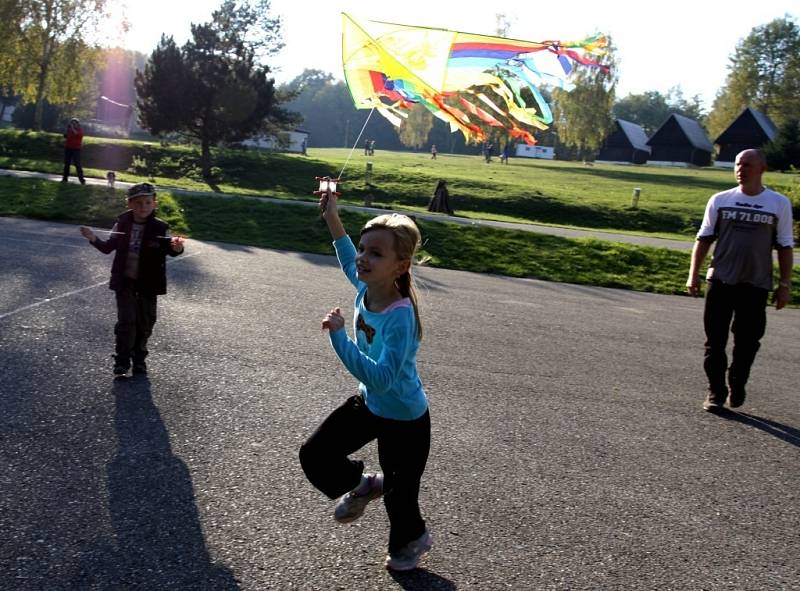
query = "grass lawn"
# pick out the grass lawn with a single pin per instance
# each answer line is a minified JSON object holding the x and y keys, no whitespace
{"x":299,"y":228}
{"x":526,"y":190}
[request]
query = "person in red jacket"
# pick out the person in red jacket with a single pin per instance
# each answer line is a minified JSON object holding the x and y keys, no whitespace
{"x":72,"y":150}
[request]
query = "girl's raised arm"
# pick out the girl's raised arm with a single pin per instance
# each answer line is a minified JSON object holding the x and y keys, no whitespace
{"x":330,"y":213}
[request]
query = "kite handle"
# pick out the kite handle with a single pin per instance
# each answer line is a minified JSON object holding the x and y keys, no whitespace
{"x":327,"y":185}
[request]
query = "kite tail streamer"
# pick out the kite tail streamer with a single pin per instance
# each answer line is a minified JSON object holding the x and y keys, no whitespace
{"x":355,"y":144}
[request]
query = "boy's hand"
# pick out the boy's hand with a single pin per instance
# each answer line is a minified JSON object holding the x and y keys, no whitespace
{"x":177,"y":243}
{"x":88,"y":234}
{"x":333,"y":320}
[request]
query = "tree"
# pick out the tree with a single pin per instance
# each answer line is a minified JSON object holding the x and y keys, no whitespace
{"x":764,"y":73}
{"x":162,"y":87}
{"x":583,"y":115}
{"x":416,"y":128}
{"x":783,"y":152}
{"x":329,"y":115}
{"x":651,"y":108}
{"x":691,"y":107}
{"x":51,"y":57}
{"x":10,"y":38}
{"x":213,"y":90}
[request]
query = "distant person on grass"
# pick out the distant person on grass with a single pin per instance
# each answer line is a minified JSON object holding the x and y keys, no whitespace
{"x":72,"y":150}
{"x":392,"y":406}
{"x":746,"y":223}
{"x":138,"y":274}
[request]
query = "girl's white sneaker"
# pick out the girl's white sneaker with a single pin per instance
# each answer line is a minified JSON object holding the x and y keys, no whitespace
{"x":351,"y":506}
{"x":408,"y":557}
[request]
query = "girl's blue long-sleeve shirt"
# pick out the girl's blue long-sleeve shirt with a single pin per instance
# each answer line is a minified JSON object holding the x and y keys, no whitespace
{"x":383,"y":356}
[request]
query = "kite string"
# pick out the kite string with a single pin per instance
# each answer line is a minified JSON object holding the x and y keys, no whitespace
{"x":356,"y":144}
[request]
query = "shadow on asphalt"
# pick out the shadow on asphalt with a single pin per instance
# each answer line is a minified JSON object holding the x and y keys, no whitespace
{"x":783,"y":432}
{"x":422,"y":580}
{"x":159,"y":540}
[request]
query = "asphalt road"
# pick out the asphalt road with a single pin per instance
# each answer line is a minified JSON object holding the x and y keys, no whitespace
{"x":569,"y":447}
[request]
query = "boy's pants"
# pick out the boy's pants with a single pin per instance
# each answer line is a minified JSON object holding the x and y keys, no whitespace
{"x":403,"y":448}
{"x":746,"y":306}
{"x":136,"y":315}
{"x":71,"y":155}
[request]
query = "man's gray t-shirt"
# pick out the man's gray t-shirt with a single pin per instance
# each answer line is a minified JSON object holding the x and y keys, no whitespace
{"x":746,"y":228}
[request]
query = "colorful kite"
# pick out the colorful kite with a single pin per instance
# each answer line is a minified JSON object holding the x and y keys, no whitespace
{"x":461,"y":78}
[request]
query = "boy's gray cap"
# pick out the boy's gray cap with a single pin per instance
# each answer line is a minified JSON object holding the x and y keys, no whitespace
{"x":141,"y":189}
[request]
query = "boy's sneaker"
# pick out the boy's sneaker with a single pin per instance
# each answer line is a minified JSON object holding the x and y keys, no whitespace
{"x":120,"y":371}
{"x":713,"y":403}
{"x":737,"y":396}
{"x":140,"y":369}
{"x":408,"y":557}
{"x":351,"y":506}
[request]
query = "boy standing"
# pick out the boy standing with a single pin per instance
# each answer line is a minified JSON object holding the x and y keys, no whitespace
{"x":138,"y":274}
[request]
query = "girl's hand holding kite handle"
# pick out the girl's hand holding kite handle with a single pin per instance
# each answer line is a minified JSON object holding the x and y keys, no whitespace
{"x":330,"y":213}
{"x":328,"y":204}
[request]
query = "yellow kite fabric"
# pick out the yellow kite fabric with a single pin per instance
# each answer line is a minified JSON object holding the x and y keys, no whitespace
{"x":391,"y":67}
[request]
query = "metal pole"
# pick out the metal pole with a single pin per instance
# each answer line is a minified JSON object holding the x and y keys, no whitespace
{"x":635,"y":197}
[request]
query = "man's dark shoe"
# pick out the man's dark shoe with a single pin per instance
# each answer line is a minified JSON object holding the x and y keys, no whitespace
{"x":737,"y":396}
{"x":713,"y":403}
{"x":140,"y":369}
{"x":120,"y":371}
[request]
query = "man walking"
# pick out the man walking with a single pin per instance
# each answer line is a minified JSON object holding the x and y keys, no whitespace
{"x":746,"y":222}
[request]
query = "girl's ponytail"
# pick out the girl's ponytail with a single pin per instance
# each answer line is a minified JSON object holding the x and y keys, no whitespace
{"x":405,"y":284}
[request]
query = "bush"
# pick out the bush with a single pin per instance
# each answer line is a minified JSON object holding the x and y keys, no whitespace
{"x":783,"y":152}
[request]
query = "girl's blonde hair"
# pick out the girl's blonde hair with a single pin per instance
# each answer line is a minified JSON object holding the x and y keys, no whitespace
{"x":407,"y":241}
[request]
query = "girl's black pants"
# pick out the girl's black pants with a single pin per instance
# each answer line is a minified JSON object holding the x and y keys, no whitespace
{"x":403,"y":448}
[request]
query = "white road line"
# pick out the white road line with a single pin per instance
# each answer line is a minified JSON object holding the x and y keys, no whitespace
{"x":42,"y":242}
{"x":53,"y":299}
{"x":76,"y":291}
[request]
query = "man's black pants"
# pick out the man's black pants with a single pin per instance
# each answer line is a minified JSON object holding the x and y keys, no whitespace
{"x":136,"y":316}
{"x":403,"y":448}
{"x":71,"y":155}
{"x":746,"y":306}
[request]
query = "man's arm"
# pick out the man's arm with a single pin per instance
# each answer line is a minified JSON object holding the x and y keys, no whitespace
{"x":785,"y":263}
{"x":699,"y":252}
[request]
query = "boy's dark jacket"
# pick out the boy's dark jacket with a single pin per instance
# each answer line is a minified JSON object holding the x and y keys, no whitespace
{"x":152,"y":254}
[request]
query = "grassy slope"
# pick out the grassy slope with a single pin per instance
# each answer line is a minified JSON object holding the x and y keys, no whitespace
{"x":290,"y":227}
{"x":560,"y":193}
{"x":550,"y":192}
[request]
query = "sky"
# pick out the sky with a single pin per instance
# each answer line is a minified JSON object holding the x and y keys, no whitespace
{"x":684,"y":43}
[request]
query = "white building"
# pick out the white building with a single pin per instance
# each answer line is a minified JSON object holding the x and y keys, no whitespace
{"x":527,"y":151}
{"x":295,"y":141}
{"x":8,"y":111}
